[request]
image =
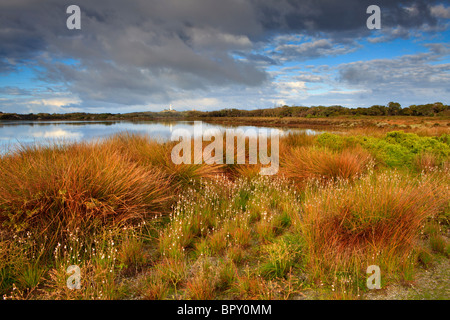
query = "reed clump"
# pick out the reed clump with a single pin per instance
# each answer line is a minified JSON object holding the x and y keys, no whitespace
{"x":376,"y":220}
{"x":49,"y":190}
{"x":318,"y":163}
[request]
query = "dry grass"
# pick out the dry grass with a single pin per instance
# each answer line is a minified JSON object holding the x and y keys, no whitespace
{"x":375,"y":221}
{"x":426,"y":162}
{"x":305,"y":163}
{"x":84,"y":186}
{"x":202,"y":283}
{"x":297,"y":140}
{"x":150,"y":153}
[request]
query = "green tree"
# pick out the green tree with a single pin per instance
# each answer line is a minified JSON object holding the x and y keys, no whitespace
{"x":394,"y":108}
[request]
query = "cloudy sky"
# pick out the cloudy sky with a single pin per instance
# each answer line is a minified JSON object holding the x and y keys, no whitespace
{"x":142,"y":55}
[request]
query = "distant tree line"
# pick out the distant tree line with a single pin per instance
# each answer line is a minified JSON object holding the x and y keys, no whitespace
{"x":78,"y":116}
{"x":391,"y":109}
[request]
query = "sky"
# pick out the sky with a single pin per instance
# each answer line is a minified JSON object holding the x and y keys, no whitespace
{"x":144,"y":55}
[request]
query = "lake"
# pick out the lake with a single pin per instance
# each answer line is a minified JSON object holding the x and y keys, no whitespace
{"x":16,"y":133}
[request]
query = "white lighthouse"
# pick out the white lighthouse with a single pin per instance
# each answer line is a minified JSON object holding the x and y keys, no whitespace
{"x":171,"y":109}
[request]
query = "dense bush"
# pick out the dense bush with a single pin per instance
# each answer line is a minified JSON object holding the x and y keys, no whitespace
{"x":395,"y":149}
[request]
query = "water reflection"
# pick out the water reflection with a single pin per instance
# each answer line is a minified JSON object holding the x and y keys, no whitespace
{"x":14,"y":133}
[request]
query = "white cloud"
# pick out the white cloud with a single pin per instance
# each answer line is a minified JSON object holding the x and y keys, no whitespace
{"x":440,"y":11}
{"x":55,"y":102}
{"x":56,"y":133}
{"x":301,"y":48}
{"x":293,"y":88}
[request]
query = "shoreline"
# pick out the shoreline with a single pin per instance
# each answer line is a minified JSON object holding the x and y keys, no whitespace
{"x":337,"y":121}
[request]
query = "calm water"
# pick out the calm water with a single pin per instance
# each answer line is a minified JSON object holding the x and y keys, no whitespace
{"x":15,"y":133}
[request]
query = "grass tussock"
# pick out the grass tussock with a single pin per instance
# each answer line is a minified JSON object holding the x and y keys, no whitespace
{"x":83,"y":186}
{"x":314,"y":163}
{"x":150,"y":153}
{"x":377,"y":220}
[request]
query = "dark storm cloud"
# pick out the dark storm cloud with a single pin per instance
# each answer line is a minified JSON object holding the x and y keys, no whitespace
{"x":342,"y":16}
{"x":140,"y":51}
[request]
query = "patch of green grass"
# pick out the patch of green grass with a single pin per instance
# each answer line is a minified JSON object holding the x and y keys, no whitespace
{"x":438,"y":243}
{"x":279,"y":258}
{"x":425,"y":257}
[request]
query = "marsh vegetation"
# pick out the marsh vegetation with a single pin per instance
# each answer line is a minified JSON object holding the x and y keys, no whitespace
{"x":141,"y":227}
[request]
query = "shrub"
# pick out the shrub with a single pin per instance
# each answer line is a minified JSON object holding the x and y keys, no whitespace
{"x":398,"y":149}
{"x":331,"y":141}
